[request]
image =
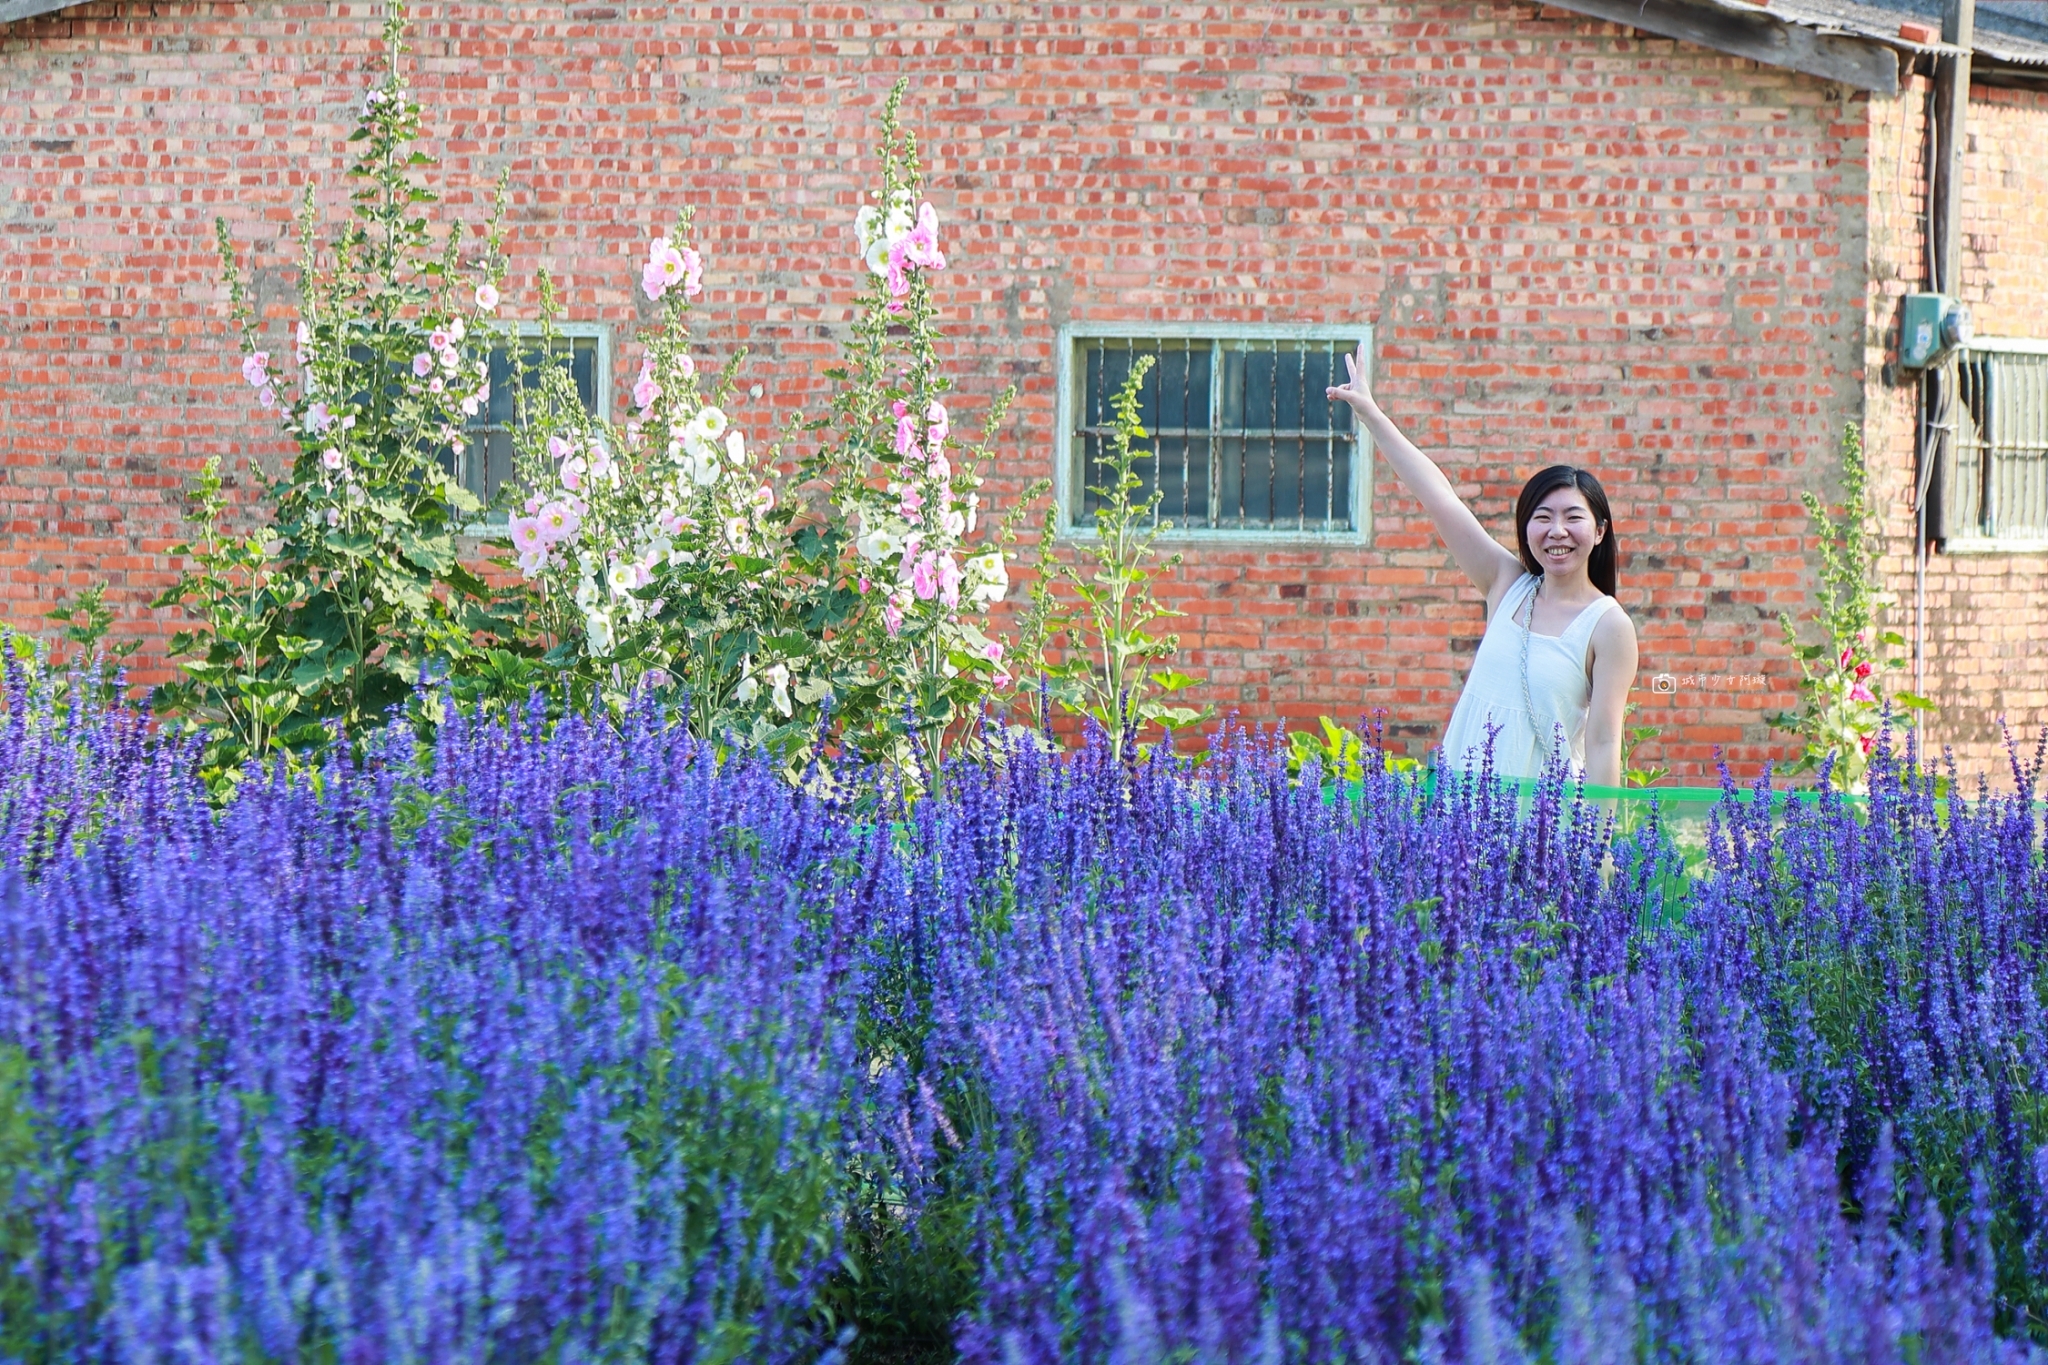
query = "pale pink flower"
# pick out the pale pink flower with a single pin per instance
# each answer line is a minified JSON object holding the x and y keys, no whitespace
{"x":910,"y":505}
{"x":572,"y":473}
{"x":600,"y":460}
{"x":437,"y":340}
{"x":422,"y":365}
{"x":332,"y":516}
{"x":693,"y":272}
{"x":898,"y":277}
{"x":949,"y":580}
{"x":655,"y":677}
{"x":450,"y":358}
{"x":665,"y":268}
{"x":941,"y":467}
{"x":687,"y":366}
{"x":764,"y":498}
{"x":892,"y":617}
{"x":456,"y":331}
{"x":956,"y":524}
{"x":532,"y":562}
{"x":558,"y":521}
{"x":993,"y":652}
{"x":864,"y":585}
{"x":532,"y":504}
{"x":899,"y":407}
{"x":470,"y":407}
{"x":435,"y":385}
{"x":645,"y":390}
{"x":558,"y":449}
{"x":255,"y":368}
{"x":941,"y":428}
{"x":924,"y":577}
{"x":332,"y":458}
{"x":921,"y":243}
{"x":1001,"y":679}
{"x":527,"y":535}
{"x":305,"y":340}
{"x":1861,"y":693}
{"x":906,"y":437}
{"x":487,"y":298}
{"x":267,"y":396}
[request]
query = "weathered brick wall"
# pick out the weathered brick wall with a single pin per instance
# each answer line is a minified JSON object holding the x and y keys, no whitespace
{"x":1985,"y":651}
{"x":1578,"y":244}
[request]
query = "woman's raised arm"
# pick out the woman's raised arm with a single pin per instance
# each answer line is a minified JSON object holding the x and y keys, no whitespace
{"x":1483,"y":558}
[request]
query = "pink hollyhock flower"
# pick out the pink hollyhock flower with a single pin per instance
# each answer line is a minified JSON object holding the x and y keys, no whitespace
{"x":527,"y":536}
{"x":906,"y":437}
{"x":921,"y":243}
{"x":532,"y":562}
{"x":1868,"y":744}
{"x":687,"y":366}
{"x":600,"y":460}
{"x":305,"y":340}
{"x":911,"y":505}
{"x":655,"y":677}
{"x":332,"y":516}
{"x":864,"y":584}
{"x":956,"y":524}
{"x":941,"y":467}
{"x":1001,"y":679}
{"x":470,"y":407}
{"x":1861,"y":693}
{"x":899,"y":407}
{"x":572,"y":473}
{"x":1863,"y":670}
{"x":898,"y":277}
{"x":318,"y":418}
{"x":645,"y":391}
{"x":1848,"y":653}
{"x":894,"y":305}
{"x":924,"y":577}
{"x":993,"y":652}
{"x":764,"y":498}
{"x":267,"y":396}
{"x":941,"y":428}
{"x":693,"y":272}
{"x":435,"y":385}
{"x":456,"y":331}
{"x":256,"y":368}
{"x":892,"y":617}
{"x":558,"y":449}
{"x":332,"y":458}
{"x":422,"y":365}
{"x":949,"y":580}
{"x":487,"y":298}
{"x":532,"y":505}
{"x":666,"y":267}
{"x":558,"y":521}
{"x":437,"y":340}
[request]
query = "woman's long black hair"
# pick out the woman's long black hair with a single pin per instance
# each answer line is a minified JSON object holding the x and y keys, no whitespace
{"x":1600,"y":564}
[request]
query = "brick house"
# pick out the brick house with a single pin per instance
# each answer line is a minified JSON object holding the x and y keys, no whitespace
{"x":1667,"y":240}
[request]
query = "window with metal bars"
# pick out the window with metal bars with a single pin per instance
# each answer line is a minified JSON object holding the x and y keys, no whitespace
{"x":1242,"y":438}
{"x":1997,"y":486}
{"x":484,"y":465}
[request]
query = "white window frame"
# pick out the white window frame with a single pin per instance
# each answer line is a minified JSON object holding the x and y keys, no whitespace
{"x":1067,"y":488}
{"x":493,"y":521}
{"x":1976,"y":544}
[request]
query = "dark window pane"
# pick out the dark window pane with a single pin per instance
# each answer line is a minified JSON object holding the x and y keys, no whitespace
{"x":1243,"y":436}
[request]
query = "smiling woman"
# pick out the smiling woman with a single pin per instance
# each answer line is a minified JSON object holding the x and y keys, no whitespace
{"x":1554,"y":668}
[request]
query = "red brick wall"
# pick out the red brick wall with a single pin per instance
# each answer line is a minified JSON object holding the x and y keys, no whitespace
{"x":1986,"y":615}
{"x":1578,"y":244}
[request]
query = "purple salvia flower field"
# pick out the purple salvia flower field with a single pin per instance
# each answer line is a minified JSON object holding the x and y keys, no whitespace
{"x":573,"y":1042}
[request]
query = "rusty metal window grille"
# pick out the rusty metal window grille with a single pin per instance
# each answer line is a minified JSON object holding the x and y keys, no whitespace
{"x":1999,"y":483}
{"x":1242,"y":436}
{"x":484,"y":466}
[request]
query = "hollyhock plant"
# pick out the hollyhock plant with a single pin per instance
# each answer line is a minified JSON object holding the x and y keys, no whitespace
{"x":908,"y":645}
{"x":658,"y":551}
{"x":359,"y":588}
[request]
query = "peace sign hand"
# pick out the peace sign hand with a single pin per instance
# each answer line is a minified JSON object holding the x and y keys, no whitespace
{"x":1358,"y":392}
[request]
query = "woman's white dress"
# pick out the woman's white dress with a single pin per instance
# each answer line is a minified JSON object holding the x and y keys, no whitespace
{"x":1559,"y":690}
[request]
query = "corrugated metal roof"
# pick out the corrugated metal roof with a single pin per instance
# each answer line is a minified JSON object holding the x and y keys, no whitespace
{"x":2013,"y":31}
